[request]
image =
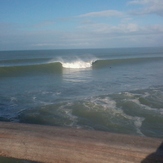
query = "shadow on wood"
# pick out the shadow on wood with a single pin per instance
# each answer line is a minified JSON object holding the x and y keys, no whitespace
{"x":14,"y":160}
{"x":156,"y":157}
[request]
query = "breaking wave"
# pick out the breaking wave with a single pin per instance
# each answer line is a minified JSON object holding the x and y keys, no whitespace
{"x":77,"y":63}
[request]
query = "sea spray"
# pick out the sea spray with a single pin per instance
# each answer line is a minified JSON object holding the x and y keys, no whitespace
{"x":77,"y":63}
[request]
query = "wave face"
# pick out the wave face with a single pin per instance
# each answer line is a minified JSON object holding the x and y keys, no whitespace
{"x":36,"y":66}
{"x":30,"y":69}
{"x":126,"y":61}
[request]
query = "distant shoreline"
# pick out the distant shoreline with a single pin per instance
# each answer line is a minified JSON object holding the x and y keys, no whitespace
{"x":53,"y":144}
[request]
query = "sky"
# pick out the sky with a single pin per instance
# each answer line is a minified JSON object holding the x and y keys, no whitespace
{"x":76,"y":24}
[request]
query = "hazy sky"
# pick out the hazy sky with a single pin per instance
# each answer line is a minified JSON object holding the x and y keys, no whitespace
{"x":58,"y":24}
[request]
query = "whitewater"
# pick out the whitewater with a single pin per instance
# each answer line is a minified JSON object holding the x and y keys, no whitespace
{"x":76,"y":62}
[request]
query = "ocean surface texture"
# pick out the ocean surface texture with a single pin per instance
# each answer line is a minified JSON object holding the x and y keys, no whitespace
{"x":115,"y":90}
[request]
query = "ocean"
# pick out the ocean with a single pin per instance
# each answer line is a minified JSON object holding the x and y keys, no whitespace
{"x":116,"y":90}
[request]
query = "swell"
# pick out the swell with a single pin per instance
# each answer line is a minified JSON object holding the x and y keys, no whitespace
{"x":57,"y":67}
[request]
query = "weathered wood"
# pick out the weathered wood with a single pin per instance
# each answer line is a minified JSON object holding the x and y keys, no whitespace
{"x":62,"y":145}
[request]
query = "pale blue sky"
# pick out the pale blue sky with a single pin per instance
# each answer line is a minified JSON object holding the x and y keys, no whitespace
{"x":62,"y":24}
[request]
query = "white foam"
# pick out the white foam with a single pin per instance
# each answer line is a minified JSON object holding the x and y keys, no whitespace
{"x":13,"y":99}
{"x":109,"y":104}
{"x":77,"y":64}
{"x":68,"y":112}
{"x":138,"y":123}
{"x":144,"y":106}
{"x":128,"y":94}
{"x":106,"y":103}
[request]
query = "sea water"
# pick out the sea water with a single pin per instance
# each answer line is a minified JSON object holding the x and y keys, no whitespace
{"x":115,"y":90}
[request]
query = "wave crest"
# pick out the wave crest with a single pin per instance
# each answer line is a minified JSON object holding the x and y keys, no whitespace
{"x":77,"y":64}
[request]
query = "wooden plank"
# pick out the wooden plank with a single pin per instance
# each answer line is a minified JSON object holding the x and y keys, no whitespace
{"x":49,"y":144}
